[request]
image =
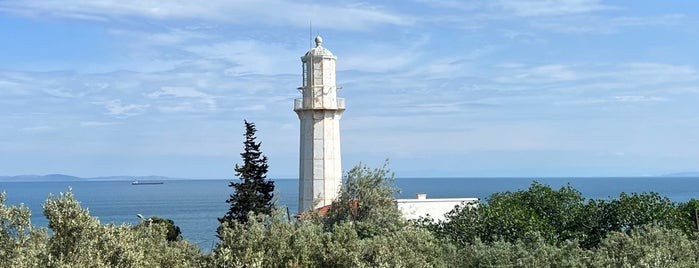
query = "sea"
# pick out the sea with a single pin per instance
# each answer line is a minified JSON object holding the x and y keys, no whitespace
{"x":194,"y":205}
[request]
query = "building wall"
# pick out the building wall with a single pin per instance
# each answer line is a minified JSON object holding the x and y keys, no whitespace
{"x":435,"y":208}
{"x":319,"y":111}
{"x":320,"y":172}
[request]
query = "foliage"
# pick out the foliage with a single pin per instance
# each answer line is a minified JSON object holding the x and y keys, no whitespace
{"x":648,"y":247}
{"x":21,"y":244}
{"x":268,"y":241}
{"x":625,"y":214}
{"x":254,"y":192}
{"x":558,"y":216}
{"x":688,"y":217}
{"x":173,"y":231}
{"x":634,"y":230}
{"x":512,"y":216}
{"x":80,"y":240}
{"x":363,"y":229}
{"x":530,"y":252}
{"x":366,"y":200}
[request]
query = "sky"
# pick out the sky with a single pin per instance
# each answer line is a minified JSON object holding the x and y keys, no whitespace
{"x":443,"y":88}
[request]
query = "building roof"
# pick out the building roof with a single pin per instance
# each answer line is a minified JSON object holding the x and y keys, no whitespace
{"x":322,"y":211}
{"x":318,"y":50}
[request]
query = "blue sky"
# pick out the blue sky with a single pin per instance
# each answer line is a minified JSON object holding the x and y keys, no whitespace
{"x":528,"y":88}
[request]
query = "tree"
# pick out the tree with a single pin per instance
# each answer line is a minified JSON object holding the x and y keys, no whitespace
{"x":173,"y":231}
{"x":363,"y":229}
{"x":559,"y":217}
{"x":625,"y":214}
{"x":512,"y":216}
{"x":366,"y":200}
{"x":21,"y":244}
{"x":79,"y":240}
{"x":254,"y":192}
{"x":688,"y":217}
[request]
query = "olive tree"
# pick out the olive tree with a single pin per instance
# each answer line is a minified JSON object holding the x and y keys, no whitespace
{"x":366,"y":200}
{"x":21,"y":244}
{"x":80,"y":240}
{"x":363,"y":229}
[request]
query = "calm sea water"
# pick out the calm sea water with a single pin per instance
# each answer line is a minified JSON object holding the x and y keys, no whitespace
{"x":194,"y":205}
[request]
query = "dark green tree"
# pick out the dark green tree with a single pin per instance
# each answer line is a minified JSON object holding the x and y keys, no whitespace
{"x":688,"y":217}
{"x":253,"y":193}
{"x":513,"y":216}
{"x":173,"y":231}
{"x":625,"y":214}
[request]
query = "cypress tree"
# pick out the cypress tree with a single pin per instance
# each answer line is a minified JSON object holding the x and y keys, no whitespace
{"x":253,"y":193}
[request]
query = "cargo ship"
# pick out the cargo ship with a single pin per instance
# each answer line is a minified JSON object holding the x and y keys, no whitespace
{"x":146,"y":182}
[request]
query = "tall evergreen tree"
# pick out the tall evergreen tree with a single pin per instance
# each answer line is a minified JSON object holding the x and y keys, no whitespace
{"x":253,"y":193}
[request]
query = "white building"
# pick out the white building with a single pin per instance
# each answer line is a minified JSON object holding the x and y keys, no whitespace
{"x":435,"y":208}
{"x":320,"y":170}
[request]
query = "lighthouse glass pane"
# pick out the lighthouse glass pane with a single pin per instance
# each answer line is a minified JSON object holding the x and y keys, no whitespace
{"x":304,"y":73}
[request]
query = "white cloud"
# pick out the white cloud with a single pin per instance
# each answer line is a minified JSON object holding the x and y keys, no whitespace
{"x":599,"y":78}
{"x":562,"y":16}
{"x":433,"y":85}
{"x":638,"y":99}
{"x":261,"y":12}
{"x":530,"y":8}
{"x":251,"y":108}
{"x":660,"y":72}
{"x":526,"y":37}
{"x":63,"y":93}
{"x":384,"y":57}
{"x":168,"y":37}
{"x":603,"y":25}
{"x":178,"y":108}
{"x":116,"y":109}
{"x":523,"y":8}
{"x":37,"y":129}
{"x":628,"y":99}
{"x":7,"y":84}
{"x":250,"y":56}
{"x":184,"y":92}
{"x":378,"y":63}
{"x":96,"y":123}
{"x":548,"y":73}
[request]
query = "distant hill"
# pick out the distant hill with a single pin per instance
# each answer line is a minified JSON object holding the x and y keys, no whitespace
{"x":682,"y":174}
{"x":50,"y":177}
{"x":62,"y":177}
{"x":131,"y":178}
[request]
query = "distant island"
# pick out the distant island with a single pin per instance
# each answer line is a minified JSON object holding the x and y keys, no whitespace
{"x":63,"y":177}
{"x":682,"y":174}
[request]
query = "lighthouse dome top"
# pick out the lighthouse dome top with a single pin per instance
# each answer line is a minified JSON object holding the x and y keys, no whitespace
{"x":319,"y":50}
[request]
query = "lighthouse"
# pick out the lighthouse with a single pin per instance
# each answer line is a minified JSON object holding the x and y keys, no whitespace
{"x":319,"y":112}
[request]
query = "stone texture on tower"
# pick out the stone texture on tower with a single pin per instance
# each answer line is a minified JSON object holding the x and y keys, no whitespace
{"x":320,"y":169}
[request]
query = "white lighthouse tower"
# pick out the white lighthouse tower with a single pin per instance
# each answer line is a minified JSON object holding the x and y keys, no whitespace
{"x":320,"y":169}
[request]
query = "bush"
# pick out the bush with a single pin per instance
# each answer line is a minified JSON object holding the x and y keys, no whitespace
{"x":557,"y":216}
{"x":363,"y":229}
{"x":79,"y":240}
{"x":21,"y":244}
{"x":512,"y":216}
